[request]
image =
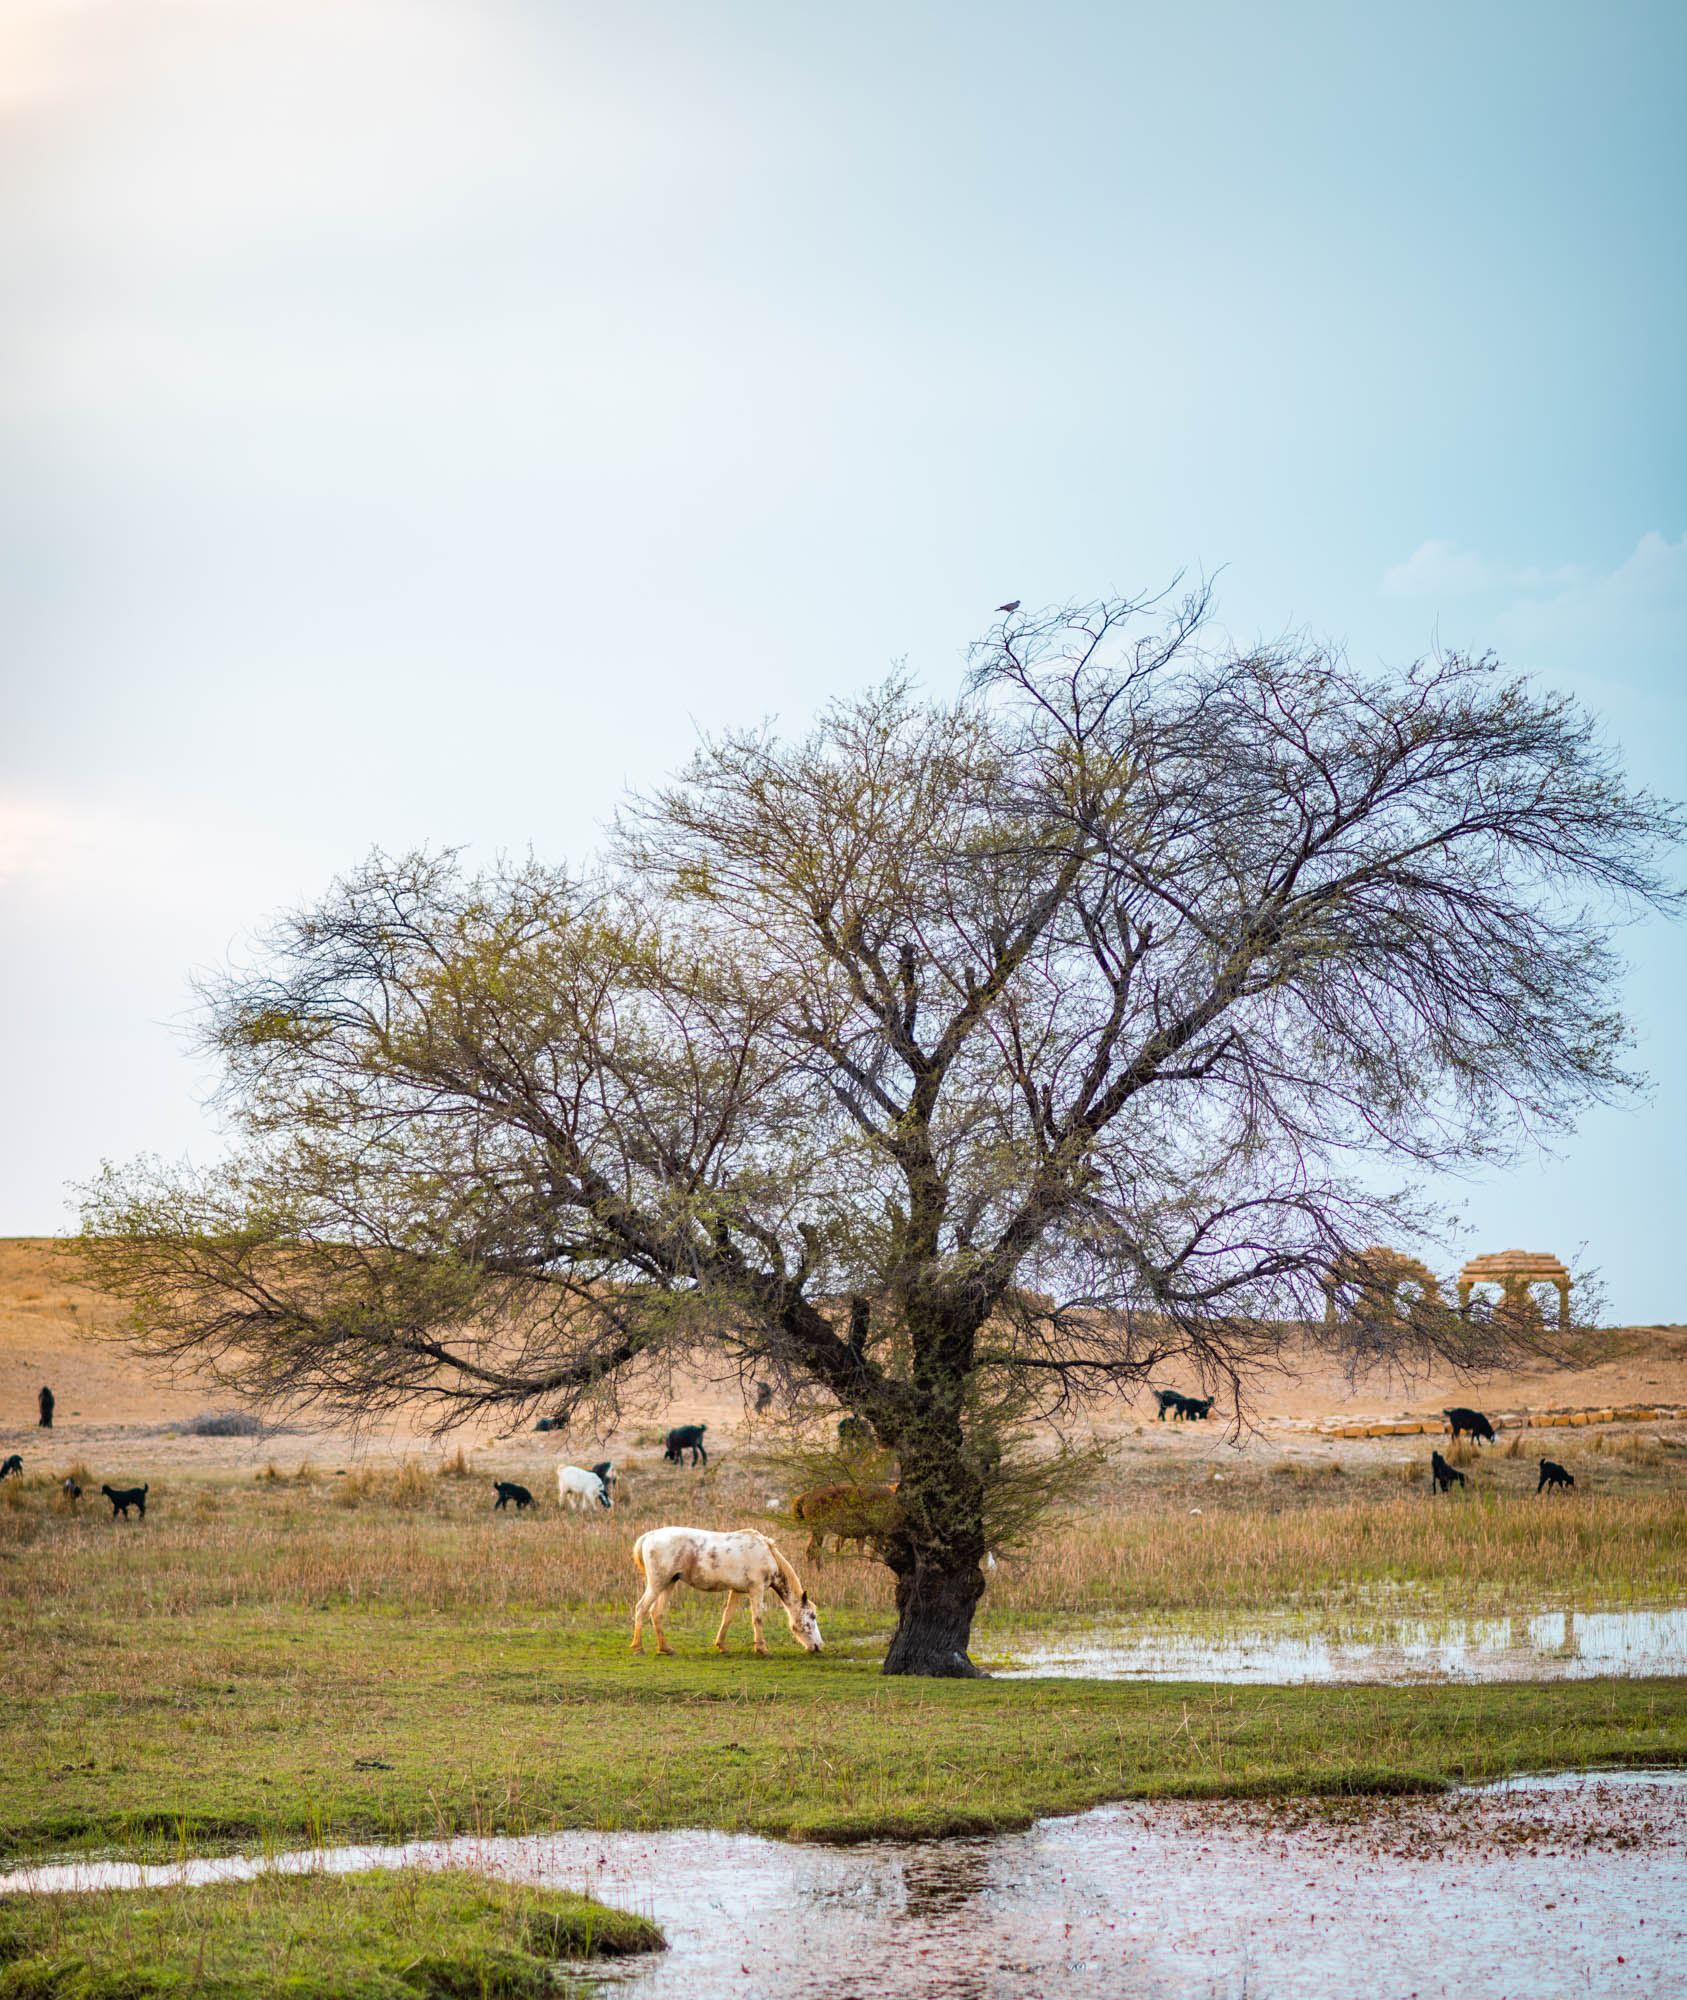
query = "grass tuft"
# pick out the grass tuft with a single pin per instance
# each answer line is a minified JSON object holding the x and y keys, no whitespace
{"x":381,"y":1935}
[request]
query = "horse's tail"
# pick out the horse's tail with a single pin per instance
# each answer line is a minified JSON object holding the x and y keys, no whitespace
{"x":638,"y":1555}
{"x":789,"y":1587}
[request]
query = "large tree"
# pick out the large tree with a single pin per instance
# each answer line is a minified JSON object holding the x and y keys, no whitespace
{"x":957,"y":1059}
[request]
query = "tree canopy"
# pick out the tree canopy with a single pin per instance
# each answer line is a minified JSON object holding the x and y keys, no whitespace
{"x":959,"y":1056}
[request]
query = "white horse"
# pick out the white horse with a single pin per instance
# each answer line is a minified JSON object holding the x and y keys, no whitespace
{"x":575,"y":1487}
{"x":743,"y":1564}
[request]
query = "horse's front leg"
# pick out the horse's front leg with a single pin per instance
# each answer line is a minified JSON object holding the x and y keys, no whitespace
{"x":725,"y":1620}
{"x":755,"y":1622}
{"x":658,"y":1612}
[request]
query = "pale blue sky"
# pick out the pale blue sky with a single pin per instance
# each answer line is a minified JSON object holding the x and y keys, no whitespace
{"x":416,"y":417}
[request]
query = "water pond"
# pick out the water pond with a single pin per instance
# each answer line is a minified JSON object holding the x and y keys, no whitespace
{"x":1526,"y":1891}
{"x":1547,"y":1645}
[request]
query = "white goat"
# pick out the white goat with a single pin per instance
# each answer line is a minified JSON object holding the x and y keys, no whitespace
{"x":576,"y":1487}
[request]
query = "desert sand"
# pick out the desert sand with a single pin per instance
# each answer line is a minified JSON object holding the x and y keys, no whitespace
{"x":121,"y":1417}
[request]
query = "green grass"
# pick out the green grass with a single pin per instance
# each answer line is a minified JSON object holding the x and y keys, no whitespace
{"x":404,"y":1935}
{"x":227,"y":1730}
{"x":291,"y":1663}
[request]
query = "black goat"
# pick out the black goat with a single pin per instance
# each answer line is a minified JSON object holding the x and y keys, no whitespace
{"x":764,"y":1396}
{"x":11,"y":1465}
{"x":605,"y":1470}
{"x":71,"y":1490}
{"x":685,"y":1438}
{"x":129,"y":1496}
{"x":1469,"y":1420}
{"x":1554,"y":1474}
{"x":1188,"y":1409}
{"x":1443,"y":1474}
{"x":507,"y":1490}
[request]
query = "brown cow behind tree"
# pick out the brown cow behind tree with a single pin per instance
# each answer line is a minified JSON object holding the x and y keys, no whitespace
{"x":862,"y":1514}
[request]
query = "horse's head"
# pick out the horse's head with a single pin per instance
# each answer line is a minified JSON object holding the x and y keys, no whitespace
{"x":804,"y":1622}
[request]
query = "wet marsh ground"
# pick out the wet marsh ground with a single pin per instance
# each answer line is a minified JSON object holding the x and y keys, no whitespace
{"x":310,"y":1657}
{"x":1529,"y":1891}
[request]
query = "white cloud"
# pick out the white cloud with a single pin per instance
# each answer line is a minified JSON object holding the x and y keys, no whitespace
{"x":1639,"y":609}
{"x":39,"y":49}
{"x":70,"y":847}
{"x":1616,"y":638}
{"x":196,"y":128}
{"x":1438,"y":569}
{"x":36,"y":840}
{"x":1656,"y":572}
{"x":137,"y":859}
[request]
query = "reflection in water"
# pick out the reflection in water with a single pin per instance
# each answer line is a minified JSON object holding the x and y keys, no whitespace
{"x":1552,"y":1645}
{"x":938,"y":1920}
{"x":1585,"y":1882}
{"x":939,"y":1881}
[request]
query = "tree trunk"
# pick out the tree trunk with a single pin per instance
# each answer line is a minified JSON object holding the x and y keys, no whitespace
{"x":940,"y":1493}
{"x":934,"y":1610}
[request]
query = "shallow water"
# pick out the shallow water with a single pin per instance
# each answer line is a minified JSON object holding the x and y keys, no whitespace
{"x":1527,"y":1892}
{"x":1549,"y":1645}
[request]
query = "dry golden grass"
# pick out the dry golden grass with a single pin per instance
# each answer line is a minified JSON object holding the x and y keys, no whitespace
{"x":1637,"y":1448}
{"x":1472,"y":1551}
{"x":409,"y":1538}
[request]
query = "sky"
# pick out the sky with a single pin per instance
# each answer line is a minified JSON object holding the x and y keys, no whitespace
{"x":418,"y":418}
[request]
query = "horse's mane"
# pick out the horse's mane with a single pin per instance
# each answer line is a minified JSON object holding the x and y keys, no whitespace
{"x":789,"y":1584}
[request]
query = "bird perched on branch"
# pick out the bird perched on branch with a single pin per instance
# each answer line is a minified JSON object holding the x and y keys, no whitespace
{"x":1012,"y":605}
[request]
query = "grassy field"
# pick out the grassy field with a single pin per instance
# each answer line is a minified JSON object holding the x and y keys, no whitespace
{"x":297,"y":1660}
{"x":383,"y":1935}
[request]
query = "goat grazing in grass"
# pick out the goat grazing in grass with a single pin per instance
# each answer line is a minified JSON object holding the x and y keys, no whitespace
{"x":685,"y":1438}
{"x":1443,"y":1474}
{"x":1472,"y":1421}
{"x":12,"y":1467}
{"x":507,"y":1490}
{"x":71,"y":1491}
{"x":123,"y":1498}
{"x":576,"y":1487}
{"x":743,"y":1564}
{"x":1555,"y":1475}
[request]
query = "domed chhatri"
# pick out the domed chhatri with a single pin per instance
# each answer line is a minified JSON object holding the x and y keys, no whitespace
{"x":1514,"y":1271}
{"x":1379,"y":1273}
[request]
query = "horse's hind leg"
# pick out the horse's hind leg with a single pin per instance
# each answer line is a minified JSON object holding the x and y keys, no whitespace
{"x":725,"y":1620}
